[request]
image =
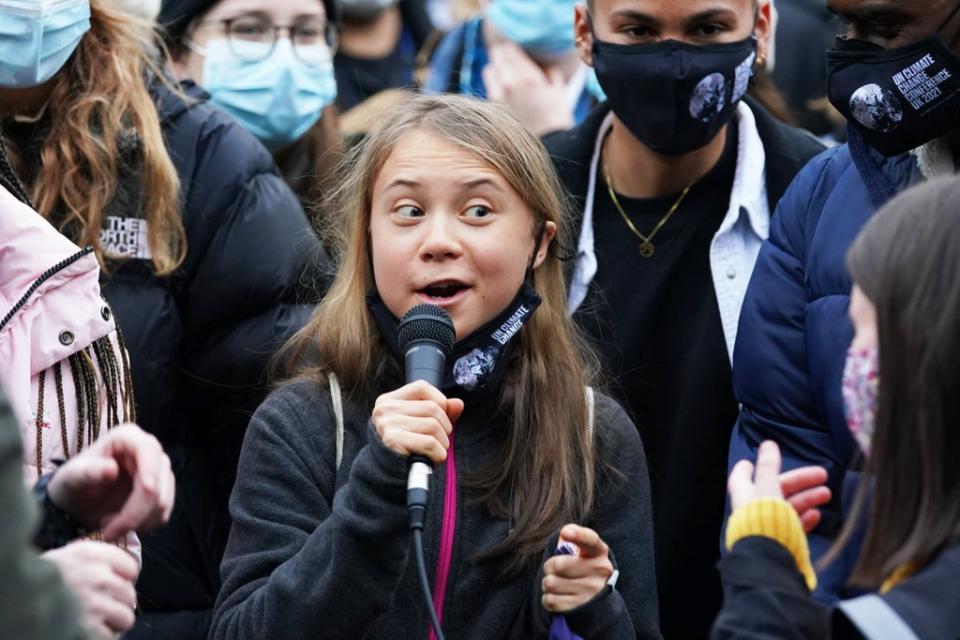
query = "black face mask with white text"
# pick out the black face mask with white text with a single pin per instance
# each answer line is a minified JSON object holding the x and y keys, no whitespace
{"x":479,"y":361}
{"x":898,"y":99}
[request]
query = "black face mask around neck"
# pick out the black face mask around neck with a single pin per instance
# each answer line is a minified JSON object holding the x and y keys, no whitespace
{"x":479,"y":361}
{"x":898,"y":99}
{"x":674,"y":97}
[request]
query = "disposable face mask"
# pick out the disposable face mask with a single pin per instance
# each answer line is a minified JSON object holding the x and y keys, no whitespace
{"x":277,"y":98}
{"x":38,"y":37}
{"x":674,"y":97}
{"x":898,"y":99}
{"x":544,"y":28}
{"x":861,"y":384}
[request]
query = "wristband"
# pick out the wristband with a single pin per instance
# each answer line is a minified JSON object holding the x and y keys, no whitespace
{"x":57,"y":527}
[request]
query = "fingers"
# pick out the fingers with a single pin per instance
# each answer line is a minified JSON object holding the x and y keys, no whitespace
{"x":587,"y":540}
{"x":99,"y":470}
{"x":102,"y":577}
{"x":555,"y":77}
{"x":510,"y":59}
{"x":428,"y":410}
{"x":88,"y":553}
{"x":492,"y":83}
{"x":569,"y":581}
{"x":417,"y":390}
{"x":809,"y":520}
{"x":416,"y":420}
{"x":809,"y":499}
{"x":767,"y":473}
{"x":116,"y":616}
{"x":798,"y":480}
{"x":455,"y":408}
{"x":150,"y":501}
{"x":146,"y":507}
{"x":408,"y":442}
{"x":740,"y":484}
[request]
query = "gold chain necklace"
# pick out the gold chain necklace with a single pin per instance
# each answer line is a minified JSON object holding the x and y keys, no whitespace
{"x":647,"y":248}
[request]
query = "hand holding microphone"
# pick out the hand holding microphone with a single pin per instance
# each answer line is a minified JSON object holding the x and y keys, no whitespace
{"x":416,"y":419}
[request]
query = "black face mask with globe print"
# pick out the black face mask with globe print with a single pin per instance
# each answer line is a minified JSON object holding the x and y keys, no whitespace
{"x":673,"y":96}
{"x":898,"y":99}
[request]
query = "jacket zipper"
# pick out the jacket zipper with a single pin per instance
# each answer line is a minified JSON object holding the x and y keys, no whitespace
{"x":446,"y":536}
{"x":46,"y":275}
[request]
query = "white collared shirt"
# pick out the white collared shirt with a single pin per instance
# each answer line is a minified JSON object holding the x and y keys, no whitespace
{"x":735,"y":245}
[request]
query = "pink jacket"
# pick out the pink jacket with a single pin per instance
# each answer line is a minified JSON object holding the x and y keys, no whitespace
{"x":62,"y":365}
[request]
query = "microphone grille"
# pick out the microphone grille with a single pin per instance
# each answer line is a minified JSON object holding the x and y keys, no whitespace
{"x":426,"y":322}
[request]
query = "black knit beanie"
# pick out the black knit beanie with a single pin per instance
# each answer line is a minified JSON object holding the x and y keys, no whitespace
{"x":176,"y":15}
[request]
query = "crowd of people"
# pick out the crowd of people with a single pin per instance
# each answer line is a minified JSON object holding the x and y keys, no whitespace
{"x":699,"y":258}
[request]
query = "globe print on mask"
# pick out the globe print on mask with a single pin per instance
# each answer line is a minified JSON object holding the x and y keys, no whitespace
{"x":709,"y":97}
{"x":876,"y":108}
{"x":471,"y":370}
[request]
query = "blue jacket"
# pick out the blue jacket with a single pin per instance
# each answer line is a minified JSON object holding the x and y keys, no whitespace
{"x":794,"y":331}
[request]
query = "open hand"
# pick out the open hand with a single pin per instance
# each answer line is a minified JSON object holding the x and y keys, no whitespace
{"x":121,"y":483}
{"x":101,"y":576}
{"x":537,"y":98}
{"x":803,"y":488}
{"x":573,"y":580}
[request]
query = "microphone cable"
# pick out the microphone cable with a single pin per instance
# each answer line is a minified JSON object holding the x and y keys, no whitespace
{"x":426,"y":335}
{"x":417,"y":506}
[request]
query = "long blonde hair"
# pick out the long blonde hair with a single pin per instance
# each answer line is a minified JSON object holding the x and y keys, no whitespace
{"x":544,"y":475}
{"x":99,"y":97}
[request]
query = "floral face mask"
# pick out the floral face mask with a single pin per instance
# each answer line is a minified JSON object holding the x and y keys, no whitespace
{"x":861,"y":381}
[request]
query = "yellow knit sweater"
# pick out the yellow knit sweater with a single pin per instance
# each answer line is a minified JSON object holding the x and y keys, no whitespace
{"x":773,"y":518}
{"x":776,"y":519}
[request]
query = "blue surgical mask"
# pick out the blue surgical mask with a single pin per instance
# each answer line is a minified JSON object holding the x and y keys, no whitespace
{"x":544,"y":28}
{"x":277,"y":97}
{"x":37,"y":37}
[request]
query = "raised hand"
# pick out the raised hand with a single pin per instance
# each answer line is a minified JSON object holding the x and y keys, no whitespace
{"x":803,"y":488}
{"x":538,"y":98}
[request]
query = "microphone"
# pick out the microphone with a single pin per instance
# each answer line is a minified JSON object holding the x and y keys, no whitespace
{"x":425,"y":335}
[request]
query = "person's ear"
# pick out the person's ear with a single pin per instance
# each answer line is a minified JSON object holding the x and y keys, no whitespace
{"x":583,"y":34}
{"x":549,"y":233}
{"x":763,"y":30}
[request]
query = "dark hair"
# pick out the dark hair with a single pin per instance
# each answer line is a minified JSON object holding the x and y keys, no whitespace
{"x":906,"y":262}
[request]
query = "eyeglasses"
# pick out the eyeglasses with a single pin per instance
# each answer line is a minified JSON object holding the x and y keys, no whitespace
{"x":246,"y":31}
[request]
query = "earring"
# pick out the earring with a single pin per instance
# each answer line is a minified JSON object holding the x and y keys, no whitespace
{"x":761,"y":61}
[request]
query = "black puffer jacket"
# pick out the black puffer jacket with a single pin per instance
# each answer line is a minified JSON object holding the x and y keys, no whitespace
{"x":200,"y":341}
